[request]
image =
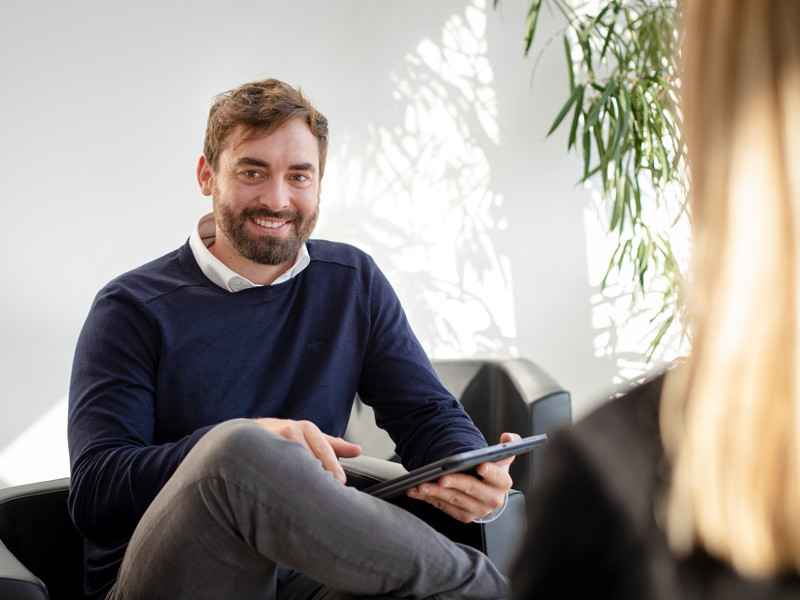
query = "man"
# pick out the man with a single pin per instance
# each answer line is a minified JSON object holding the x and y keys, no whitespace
{"x":210,"y":386}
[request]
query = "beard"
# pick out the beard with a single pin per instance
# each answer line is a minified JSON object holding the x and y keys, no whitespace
{"x":265,"y":250}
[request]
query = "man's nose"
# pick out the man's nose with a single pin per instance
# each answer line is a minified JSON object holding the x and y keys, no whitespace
{"x":274,"y":195}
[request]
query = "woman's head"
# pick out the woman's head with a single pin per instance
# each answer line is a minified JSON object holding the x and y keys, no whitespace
{"x":731,"y":419}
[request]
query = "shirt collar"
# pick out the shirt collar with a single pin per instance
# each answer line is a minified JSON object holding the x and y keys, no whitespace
{"x":203,"y":237}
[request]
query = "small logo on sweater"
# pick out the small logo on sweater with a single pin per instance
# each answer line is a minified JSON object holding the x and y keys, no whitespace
{"x":315,"y":346}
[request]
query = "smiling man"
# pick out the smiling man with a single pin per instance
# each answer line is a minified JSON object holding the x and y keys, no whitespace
{"x":266,"y":198}
{"x":211,"y":386}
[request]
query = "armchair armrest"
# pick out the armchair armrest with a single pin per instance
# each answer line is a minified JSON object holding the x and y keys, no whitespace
{"x":365,"y":471}
{"x":41,"y":552}
{"x":499,"y":540}
{"x":16,"y":581}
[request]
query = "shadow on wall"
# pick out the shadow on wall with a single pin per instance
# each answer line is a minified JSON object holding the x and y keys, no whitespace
{"x":447,"y":180}
{"x":417,"y":192}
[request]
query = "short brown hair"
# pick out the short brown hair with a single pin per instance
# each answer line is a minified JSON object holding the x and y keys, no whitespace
{"x":261,"y":107}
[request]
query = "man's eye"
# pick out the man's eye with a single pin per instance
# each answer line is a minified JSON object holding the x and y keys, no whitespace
{"x":251,"y":174}
{"x":299,"y":177}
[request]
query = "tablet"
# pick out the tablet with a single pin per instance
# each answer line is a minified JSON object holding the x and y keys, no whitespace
{"x":457,"y":463}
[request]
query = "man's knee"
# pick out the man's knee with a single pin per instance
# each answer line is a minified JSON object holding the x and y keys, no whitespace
{"x":235,"y":445}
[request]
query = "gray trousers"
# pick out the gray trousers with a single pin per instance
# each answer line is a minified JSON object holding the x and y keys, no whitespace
{"x":245,"y":500}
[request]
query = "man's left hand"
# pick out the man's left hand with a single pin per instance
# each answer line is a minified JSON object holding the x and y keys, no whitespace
{"x":466,"y":497}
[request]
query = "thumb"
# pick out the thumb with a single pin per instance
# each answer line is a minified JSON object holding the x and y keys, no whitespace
{"x":508,"y":437}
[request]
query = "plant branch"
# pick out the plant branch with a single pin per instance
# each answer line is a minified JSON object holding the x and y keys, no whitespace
{"x":622,"y":61}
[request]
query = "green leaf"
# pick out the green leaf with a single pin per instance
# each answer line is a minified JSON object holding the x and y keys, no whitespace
{"x":570,"y":66}
{"x":611,"y":26}
{"x":619,"y":203}
{"x":661,"y":155}
{"x":586,"y":48}
{"x":577,"y":93}
{"x":651,"y":349}
{"x":641,"y":263}
{"x":624,"y":121}
{"x":593,"y":23}
{"x":587,"y":151}
{"x":573,"y":130}
{"x":626,"y":248}
{"x":592,"y":173}
{"x":601,"y":151}
{"x":610,"y":268}
{"x":637,"y":196}
{"x":594,"y":114}
{"x":627,"y":201}
{"x":530,"y":23}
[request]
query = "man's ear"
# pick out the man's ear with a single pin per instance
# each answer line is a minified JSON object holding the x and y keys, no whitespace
{"x":205,"y":176}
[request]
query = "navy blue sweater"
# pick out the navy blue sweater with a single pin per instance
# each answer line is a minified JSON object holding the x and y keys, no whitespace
{"x":165,"y":354}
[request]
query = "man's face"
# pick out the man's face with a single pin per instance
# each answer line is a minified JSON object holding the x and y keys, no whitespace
{"x":266,"y":193}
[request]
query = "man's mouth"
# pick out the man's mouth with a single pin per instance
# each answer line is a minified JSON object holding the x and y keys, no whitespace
{"x":269,"y":224}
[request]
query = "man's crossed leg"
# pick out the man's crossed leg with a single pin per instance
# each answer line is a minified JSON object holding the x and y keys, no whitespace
{"x":245,"y":500}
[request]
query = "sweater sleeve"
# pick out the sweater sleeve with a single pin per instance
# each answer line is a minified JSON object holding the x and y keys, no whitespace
{"x":116,"y":466}
{"x":423,"y":419}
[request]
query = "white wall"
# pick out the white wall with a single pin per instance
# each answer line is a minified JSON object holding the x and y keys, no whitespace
{"x":438,"y":166}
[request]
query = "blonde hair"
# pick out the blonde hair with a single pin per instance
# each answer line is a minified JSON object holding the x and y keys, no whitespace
{"x":731,"y":419}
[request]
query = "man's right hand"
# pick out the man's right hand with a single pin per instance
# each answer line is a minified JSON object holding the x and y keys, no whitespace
{"x":325,"y":447}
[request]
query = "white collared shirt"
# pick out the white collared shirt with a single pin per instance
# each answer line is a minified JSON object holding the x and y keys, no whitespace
{"x":202,"y":239}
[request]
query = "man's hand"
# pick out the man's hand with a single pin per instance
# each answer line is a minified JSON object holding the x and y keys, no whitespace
{"x":326,"y":448}
{"x":465,"y":497}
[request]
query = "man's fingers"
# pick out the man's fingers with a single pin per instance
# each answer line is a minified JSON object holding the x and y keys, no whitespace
{"x":321,"y":448}
{"x":508,"y":437}
{"x":465,"y":506}
{"x":312,"y":439}
{"x":495,"y":474}
{"x":291,"y":430}
{"x":343,"y":448}
{"x":485,"y":494}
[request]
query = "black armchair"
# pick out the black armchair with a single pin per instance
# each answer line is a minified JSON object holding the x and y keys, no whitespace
{"x":41,"y":551}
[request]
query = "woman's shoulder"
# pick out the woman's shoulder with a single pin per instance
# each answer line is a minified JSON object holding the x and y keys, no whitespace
{"x":625,"y":431}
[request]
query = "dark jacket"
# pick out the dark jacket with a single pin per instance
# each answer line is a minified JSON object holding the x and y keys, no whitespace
{"x":593,"y":529}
